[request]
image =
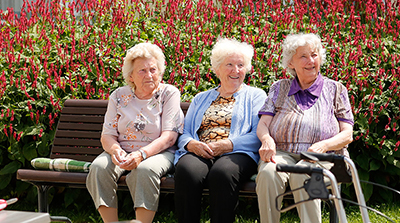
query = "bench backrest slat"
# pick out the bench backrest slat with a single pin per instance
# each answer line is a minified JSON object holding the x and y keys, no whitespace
{"x":77,"y":134}
{"x":82,"y":118}
{"x":79,"y":129}
{"x":79,"y":150}
{"x":81,"y":126}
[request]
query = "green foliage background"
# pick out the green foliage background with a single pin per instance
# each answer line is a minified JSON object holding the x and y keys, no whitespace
{"x":55,"y":50}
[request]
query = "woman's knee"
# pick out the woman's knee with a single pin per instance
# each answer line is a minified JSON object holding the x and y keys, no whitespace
{"x":266,"y":172}
{"x":222,"y":175}
{"x":190,"y":174}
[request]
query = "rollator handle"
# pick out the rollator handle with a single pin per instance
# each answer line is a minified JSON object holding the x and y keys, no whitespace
{"x":293,"y":169}
{"x":297,"y":169}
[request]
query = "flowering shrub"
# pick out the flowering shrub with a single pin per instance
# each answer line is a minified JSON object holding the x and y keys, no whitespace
{"x":57,"y":50}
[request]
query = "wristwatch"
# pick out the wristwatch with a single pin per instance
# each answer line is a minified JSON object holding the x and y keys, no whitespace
{"x":144,"y":155}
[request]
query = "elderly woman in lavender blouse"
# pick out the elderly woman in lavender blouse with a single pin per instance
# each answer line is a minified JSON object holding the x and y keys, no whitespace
{"x":308,"y":112}
{"x":141,"y":125}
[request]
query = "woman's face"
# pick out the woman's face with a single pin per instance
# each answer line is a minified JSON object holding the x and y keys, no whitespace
{"x":145,"y":74}
{"x":232,"y":71}
{"x":306,"y":62}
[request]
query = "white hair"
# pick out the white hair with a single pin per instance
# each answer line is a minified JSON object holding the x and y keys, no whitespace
{"x":293,"y":41}
{"x":142,"y":50}
{"x":227,"y":47}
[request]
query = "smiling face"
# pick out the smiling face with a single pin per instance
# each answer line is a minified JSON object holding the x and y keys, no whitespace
{"x":307,"y":63}
{"x":145,"y":76}
{"x":231,"y":73}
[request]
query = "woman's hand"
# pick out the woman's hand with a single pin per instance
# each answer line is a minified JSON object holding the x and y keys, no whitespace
{"x":221,"y":147}
{"x":318,"y":147}
{"x":200,"y":149}
{"x":133,"y":159}
{"x":340,"y":140}
{"x":268,"y":152}
{"x":118,"y":156}
{"x":268,"y":148}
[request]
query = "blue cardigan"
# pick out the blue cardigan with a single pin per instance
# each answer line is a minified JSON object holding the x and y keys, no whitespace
{"x":248,"y":102}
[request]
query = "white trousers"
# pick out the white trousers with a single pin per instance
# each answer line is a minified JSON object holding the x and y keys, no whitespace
{"x":271,"y":183}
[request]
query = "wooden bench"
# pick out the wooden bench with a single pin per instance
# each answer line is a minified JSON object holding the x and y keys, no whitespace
{"x":78,"y":137}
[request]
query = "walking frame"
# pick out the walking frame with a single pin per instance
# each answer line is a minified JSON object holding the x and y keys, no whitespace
{"x":343,"y":171}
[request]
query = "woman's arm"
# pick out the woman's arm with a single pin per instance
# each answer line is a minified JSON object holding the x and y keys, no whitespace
{"x":112,"y":147}
{"x":343,"y":138}
{"x":268,"y":148}
{"x":166,"y":140}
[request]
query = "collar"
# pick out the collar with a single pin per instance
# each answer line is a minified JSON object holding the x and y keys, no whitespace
{"x":315,"y":89}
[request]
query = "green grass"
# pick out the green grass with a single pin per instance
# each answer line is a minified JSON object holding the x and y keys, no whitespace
{"x":247,"y":211}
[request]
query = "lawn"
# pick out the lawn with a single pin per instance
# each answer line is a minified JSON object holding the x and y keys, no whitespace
{"x":247,"y":211}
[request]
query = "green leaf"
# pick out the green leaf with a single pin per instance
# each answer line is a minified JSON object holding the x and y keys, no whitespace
{"x":29,"y":151}
{"x":367,"y":189}
{"x":5,"y":180}
{"x":42,"y":148}
{"x":32,"y":130}
{"x":363,"y":161}
{"x":374,"y":165}
{"x":10,"y":168}
{"x":70,"y":196}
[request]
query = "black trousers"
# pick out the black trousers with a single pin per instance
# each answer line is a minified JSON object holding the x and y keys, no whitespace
{"x":223,"y":176}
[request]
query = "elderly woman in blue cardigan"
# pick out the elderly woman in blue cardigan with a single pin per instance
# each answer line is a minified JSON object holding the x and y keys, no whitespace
{"x":219,"y":146}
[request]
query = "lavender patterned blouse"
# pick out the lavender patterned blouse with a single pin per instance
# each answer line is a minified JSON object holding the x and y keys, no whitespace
{"x":137,"y":122}
{"x":300,"y":122}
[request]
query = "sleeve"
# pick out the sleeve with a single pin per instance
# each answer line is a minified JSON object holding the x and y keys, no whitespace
{"x":249,"y":141}
{"x":269,"y":104}
{"x":343,"y":110}
{"x":172,"y":116}
{"x":110,"y":126}
{"x":188,"y":132}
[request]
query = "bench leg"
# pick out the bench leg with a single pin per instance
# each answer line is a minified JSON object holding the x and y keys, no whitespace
{"x":43,"y":203}
{"x":43,"y":192}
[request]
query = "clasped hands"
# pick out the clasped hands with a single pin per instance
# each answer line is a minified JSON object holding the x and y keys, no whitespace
{"x":210,"y":150}
{"x":126,"y":161}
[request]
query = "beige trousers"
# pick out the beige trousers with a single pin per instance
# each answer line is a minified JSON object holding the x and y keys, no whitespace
{"x":143,"y":182}
{"x":271,"y":183}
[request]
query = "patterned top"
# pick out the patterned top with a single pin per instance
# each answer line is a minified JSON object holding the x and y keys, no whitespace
{"x":295,"y":129}
{"x":138,"y":122}
{"x":217,"y":120}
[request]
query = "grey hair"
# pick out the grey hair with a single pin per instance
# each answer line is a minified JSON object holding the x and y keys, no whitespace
{"x":293,"y":41}
{"x":142,"y":50}
{"x":226,"y":47}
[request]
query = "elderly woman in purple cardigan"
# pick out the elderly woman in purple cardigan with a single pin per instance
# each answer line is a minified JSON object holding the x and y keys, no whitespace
{"x":308,"y":112}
